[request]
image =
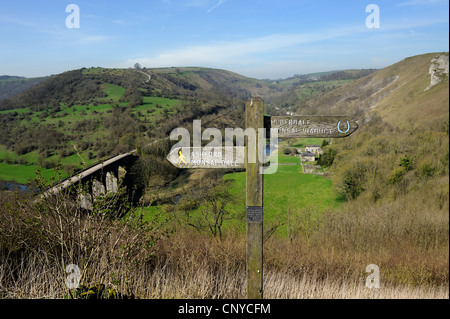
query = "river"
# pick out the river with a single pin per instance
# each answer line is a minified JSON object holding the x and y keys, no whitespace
{"x":13,"y":186}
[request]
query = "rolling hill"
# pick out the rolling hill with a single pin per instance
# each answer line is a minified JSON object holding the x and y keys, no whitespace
{"x":83,"y":86}
{"x":400,"y":152}
{"x":63,"y":119}
{"x":397,"y":93}
{"x":12,"y":85}
{"x":401,"y":146}
{"x":81,"y":116}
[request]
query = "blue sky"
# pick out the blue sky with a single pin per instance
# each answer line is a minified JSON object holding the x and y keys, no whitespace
{"x":257,"y":38}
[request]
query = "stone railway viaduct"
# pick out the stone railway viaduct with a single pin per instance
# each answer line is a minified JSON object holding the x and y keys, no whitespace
{"x":101,"y":178}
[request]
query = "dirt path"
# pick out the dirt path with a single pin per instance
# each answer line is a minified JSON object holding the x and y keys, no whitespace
{"x":149,"y":76}
{"x":78,"y":154}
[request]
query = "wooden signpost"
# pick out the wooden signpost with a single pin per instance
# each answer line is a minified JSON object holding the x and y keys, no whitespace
{"x":311,"y":126}
{"x":215,"y":157}
{"x":254,"y":118}
{"x":202,"y":157}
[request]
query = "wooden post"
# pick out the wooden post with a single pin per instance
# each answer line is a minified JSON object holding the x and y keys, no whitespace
{"x":254,"y":118}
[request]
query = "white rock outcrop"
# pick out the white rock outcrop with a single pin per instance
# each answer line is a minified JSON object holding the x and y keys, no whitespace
{"x":438,"y":70}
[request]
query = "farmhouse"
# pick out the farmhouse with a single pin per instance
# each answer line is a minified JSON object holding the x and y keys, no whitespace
{"x":312,"y":148}
{"x":308,"y":157}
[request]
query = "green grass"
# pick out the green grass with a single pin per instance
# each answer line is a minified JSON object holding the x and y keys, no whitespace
{"x":74,"y":159}
{"x":22,"y":174}
{"x":282,"y":159}
{"x":19,"y":111}
{"x":114,"y":92}
{"x":300,"y":142}
{"x":288,"y":189}
{"x":149,"y":103}
{"x":5,"y":154}
{"x":164,"y":102}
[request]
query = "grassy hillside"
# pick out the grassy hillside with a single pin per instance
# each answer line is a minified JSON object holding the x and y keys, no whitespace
{"x":397,"y":93}
{"x":79,"y":117}
{"x":224,"y":82}
{"x":405,"y":104}
{"x":302,"y":89}
{"x":403,"y":138}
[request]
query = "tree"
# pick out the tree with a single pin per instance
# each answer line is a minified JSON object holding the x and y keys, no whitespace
{"x":213,"y":199}
{"x":327,"y":158}
{"x":137,"y":66}
{"x":325,"y":143}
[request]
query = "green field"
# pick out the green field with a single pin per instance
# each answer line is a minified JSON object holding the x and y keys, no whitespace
{"x":114,"y":92}
{"x":298,"y":142}
{"x":30,"y":157}
{"x":153,"y":106}
{"x":21,"y":169}
{"x":22,"y":174}
{"x":288,"y":191}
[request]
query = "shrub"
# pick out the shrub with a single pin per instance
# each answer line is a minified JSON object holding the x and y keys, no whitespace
{"x":43,"y":237}
{"x":287,"y":151}
{"x":24,"y":149}
{"x":428,"y":170}
{"x":326,"y":159}
{"x":48,"y":164}
{"x":406,"y":163}
{"x":396,"y":175}
{"x":353,"y":183}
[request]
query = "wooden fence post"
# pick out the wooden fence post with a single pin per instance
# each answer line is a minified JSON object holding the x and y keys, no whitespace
{"x":254,"y":118}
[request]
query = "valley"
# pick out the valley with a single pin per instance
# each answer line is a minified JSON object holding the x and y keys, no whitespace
{"x":382,"y":195}
{"x":84,"y":125}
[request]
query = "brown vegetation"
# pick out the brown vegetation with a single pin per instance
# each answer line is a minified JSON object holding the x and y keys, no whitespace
{"x":322,"y":258}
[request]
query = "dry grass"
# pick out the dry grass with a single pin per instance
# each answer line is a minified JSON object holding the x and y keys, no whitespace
{"x":214,"y":269}
{"x":285,"y":286}
{"x":321,"y":259}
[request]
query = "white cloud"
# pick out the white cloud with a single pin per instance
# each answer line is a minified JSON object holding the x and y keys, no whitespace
{"x":284,"y":54}
{"x":216,"y":5}
{"x":240,"y":52}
